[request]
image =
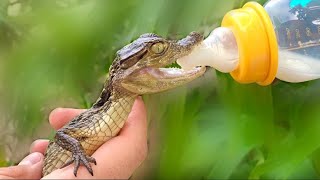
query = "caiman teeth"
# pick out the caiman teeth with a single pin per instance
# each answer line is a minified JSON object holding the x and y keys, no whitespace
{"x":177,"y":72}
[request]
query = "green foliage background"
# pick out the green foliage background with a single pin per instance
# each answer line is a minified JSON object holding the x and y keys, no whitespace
{"x":57,"y":53}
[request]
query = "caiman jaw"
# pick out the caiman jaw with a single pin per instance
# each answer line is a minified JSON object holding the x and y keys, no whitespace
{"x":153,"y":80}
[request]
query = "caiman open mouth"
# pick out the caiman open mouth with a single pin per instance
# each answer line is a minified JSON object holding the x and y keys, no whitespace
{"x":187,"y":44}
{"x":169,"y":72}
{"x":174,"y":73}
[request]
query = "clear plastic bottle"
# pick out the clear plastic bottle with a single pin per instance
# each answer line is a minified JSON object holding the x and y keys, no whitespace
{"x":257,"y":44}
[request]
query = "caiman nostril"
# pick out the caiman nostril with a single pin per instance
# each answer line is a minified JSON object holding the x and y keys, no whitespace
{"x":191,"y":40}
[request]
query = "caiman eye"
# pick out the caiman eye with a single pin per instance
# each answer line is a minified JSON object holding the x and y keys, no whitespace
{"x":158,"y":48}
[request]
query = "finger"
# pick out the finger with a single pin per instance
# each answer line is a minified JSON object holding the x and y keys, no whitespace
{"x":39,"y":145}
{"x":60,"y":116}
{"x":120,"y":156}
{"x":29,"y":168}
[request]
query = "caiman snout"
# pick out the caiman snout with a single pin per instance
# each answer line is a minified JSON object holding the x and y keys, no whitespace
{"x":191,"y":40}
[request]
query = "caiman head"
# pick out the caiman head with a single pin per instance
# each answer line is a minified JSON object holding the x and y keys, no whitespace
{"x":140,"y":67}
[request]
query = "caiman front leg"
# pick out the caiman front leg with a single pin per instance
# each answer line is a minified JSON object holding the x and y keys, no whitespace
{"x":71,"y":144}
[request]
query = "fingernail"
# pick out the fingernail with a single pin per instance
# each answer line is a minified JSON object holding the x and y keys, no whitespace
{"x":32,"y":145}
{"x":36,"y":142}
{"x":31,"y":159}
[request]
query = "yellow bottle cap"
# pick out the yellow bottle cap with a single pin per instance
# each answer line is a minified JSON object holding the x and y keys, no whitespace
{"x":257,"y":44}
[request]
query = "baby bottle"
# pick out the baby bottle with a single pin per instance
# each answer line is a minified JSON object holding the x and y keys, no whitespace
{"x":257,"y":44}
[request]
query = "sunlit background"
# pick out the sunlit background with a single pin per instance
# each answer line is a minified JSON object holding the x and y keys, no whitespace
{"x":56,"y":53}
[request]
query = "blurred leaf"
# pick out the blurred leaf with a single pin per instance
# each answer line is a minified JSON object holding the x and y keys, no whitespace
{"x":3,"y":162}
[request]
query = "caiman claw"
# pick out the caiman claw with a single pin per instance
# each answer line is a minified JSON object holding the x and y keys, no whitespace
{"x":84,"y":159}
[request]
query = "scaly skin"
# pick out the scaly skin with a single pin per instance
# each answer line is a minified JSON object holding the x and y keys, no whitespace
{"x":137,"y":69}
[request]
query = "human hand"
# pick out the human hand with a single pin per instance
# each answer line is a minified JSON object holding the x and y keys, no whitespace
{"x":118,"y":158}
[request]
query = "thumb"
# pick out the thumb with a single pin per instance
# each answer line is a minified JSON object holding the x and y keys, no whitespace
{"x":29,"y":168}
